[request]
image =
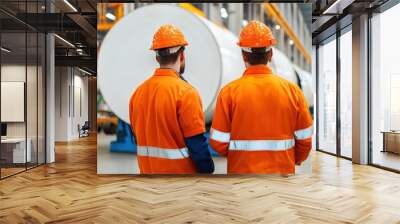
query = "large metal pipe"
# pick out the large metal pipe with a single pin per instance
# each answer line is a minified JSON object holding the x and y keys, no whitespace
{"x":212,"y":58}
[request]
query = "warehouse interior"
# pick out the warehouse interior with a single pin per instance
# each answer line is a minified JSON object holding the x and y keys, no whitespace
{"x":292,"y":60}
{"x":49,"y":172}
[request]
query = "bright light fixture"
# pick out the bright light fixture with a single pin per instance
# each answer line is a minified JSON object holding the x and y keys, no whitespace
{"x":110,"y":16}
{"x":224,"y":13}
{"x":65,"y":41}
{"x":5,"y":50}
{"x":334,"y":5}
{"x":84,"y":71}
{"x":70,"y":5}
{"x":244,"y":22}
{"x":277,"y":27}
{"x":291,"y":42}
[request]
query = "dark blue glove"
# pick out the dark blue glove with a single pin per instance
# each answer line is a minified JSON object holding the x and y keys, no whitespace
{"x":198,"y":149}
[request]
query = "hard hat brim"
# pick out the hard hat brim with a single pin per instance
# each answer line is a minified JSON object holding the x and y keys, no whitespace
{"x":269,"y":43}
{"x":154,"y":48}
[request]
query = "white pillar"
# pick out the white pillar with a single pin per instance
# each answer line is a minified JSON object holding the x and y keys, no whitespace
{"x":360,"y":90}
{"x":214,"y":12}
{"x":235,"y":17}
{"x":50,"y":99}
{"x":128,"y":8}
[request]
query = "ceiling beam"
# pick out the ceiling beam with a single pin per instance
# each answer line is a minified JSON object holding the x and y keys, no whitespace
{"x":81,"y":61}
{"x":84,"y":24}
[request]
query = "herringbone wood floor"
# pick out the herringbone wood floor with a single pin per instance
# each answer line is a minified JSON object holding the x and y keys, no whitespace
{"x":70,"y":191}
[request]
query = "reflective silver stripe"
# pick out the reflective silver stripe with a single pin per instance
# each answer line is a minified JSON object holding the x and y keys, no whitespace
{"x":304,"y":133}
{"x":220,"y":135}
{"x":163,"y":153}
{"x":261,"y":145}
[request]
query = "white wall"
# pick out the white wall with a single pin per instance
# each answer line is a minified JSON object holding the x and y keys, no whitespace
{"x":33,"y":126}
{"x":80,"y":109}
{"x":12,"y":73}
{"x":61,"y":103}
{"x":71,"y":94}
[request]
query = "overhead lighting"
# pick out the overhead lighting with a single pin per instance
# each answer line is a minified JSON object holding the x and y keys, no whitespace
{"x":5,"y":50}
{"x":333,"y":9}
{"x":291,"y":42}
{"x":79,"y":51}
{"x":244,"y":22}
{"x":277,"y":27}
{"x":84,"y":71}
{"x":110,"y":16}
{"x":224,"y":13}
{"x":64,"y":40}
{"x":70,"y":5}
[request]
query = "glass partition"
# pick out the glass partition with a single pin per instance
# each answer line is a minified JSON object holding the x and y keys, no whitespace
{"x":41,"y":97}
{"x":22,"y":90}
{"x":327,"y":97}
{"x":385,"y":89}
{"x":31,"y":97}
{"x":346,"y":94}
{"x":13,"y":110}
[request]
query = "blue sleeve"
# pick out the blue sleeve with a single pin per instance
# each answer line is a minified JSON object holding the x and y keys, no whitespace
{"x":198,"y":149}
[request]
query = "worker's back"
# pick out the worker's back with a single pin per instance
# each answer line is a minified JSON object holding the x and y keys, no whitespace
{"x":261,"y":112}
{"x":155,"y":108}
{"x":266,"y":103}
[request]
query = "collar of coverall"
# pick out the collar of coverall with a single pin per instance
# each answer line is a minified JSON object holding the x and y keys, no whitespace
{"x":166,"y":72}
{"x":257,"y":69}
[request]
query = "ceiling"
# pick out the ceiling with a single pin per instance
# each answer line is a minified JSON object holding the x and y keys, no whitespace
{"x":326,"y":23}
{"x":74,"y":22}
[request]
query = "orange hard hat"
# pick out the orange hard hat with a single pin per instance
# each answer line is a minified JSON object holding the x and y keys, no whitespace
{"x":168,"y":36}
{"x":255,"y":35}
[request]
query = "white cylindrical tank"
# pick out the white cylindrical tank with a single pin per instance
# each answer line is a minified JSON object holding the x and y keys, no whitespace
{"x":282,"y":66}
{"x":306,"y":84}
{"x":212,"y":57}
